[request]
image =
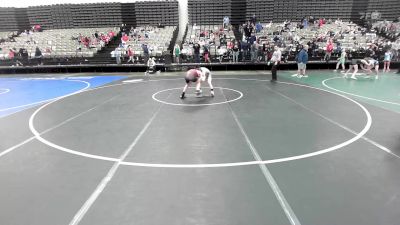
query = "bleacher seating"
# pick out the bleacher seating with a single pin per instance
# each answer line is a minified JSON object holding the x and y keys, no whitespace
{"x":158,"y":40}
{"x":346,"y":34}
{"x":56,"y":43}
{"x":76,"y":15}
{"x":208,"y":11}
{"x":194,"y":37}
{"x":155,"y":12}
{"x":6,"y":34}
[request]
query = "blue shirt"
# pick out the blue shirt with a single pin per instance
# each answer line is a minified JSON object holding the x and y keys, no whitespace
{"x":259,"y":27}
{"x":302,"y":57}
{"x":145,"y":49}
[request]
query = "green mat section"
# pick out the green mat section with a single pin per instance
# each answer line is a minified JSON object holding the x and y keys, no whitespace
{"x":383,"y":92}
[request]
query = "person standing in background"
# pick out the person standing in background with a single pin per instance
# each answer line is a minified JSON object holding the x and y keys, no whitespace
{"x":302,"y":60}
{"x":275,"y":60}
{"x":341,"y":60}
{"x":386,"y":61}
{"x":177,"y":53}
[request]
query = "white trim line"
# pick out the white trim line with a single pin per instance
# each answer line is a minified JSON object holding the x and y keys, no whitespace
{"x":47,"y":100}
{"x":99,"y":189}
{"x":6,"y":90}
{"x":48,"y":130}
{"x":267,"y":174}
{"x":323,"y":151}
{"x":359,"y":96}
{"x":205,"y":104}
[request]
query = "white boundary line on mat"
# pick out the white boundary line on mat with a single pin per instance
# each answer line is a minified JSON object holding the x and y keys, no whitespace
{"x":257,"y":162}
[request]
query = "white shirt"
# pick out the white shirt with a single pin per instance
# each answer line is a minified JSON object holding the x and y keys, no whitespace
{"x":151,"y":63}
{"x":204,"y":72}
{"x":276,"y":56}
{"x":221,"y":51}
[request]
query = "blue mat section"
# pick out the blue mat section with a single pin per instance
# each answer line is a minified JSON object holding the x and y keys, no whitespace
{"x":17,"y":94}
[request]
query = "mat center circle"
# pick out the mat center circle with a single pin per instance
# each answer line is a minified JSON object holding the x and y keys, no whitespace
{"x":171,"y":97}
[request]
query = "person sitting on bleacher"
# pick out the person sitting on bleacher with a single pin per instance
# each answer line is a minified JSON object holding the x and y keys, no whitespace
{"x":259,"y":27}
{"x":11,"y":55}
{"x":37,"y":28}
{"x":151,"y":67}
{"x":124,"y":39}
{"x":221,"y":53}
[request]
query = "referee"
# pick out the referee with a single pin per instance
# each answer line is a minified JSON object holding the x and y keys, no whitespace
{"x":275,"y":60}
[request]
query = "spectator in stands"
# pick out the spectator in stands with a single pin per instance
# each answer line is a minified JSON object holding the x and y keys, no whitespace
{"x":222,"y":40}
{"x":225,"y":22}
{"x":24,"y":55}
{"x":260,"y":53}
{"x":118,"y":55}
{"x":259,"y":27}
{"x":304,"y":23}
{"x":102,"y":43}
{"x":145,"y":52}
{"x":252,"y":39}
{"x":253,"y":52}
{"x":235,"y":51}
{"x":206,"y":54}
{"x":18,"y":57}
{"x":37,"y":28}
{"x":221,"y":52}
{"x":124,"y":40}
{"x":328,"y":51}
{"x":12,"y":57}
{"x":196,"y":51}
{"x":302,"y":60}
{"x":131,"y":54}
{"x":111,"y":34}
{"x":245,"y":50}
{"x":230,"y":45}
{"x":386,"y":61}
{"x":247,"y":30}
{"x":151,"y":67}
{"x":177,"y":53}
{"x":320,"y":22}
{"x":38,"y":56}
{"x":341,"y":60}
{"x":253,"y":19}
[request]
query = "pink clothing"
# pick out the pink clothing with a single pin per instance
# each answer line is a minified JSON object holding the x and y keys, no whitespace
{"x":329,"y":47}
{"x":194,"y":73}
{"x":11,"y":54}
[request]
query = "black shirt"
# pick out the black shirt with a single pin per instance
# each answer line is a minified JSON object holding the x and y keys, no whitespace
{"x":196,"y":49}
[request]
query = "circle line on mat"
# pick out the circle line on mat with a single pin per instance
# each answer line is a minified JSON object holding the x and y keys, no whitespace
{"x":213,"y":165}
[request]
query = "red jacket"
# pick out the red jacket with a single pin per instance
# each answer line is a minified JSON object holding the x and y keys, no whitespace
{"x":130,"y":52}
{"x":329,"y":47}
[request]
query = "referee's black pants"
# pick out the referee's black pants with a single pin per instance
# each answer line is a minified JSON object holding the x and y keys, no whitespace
{"x":274,"y":71}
